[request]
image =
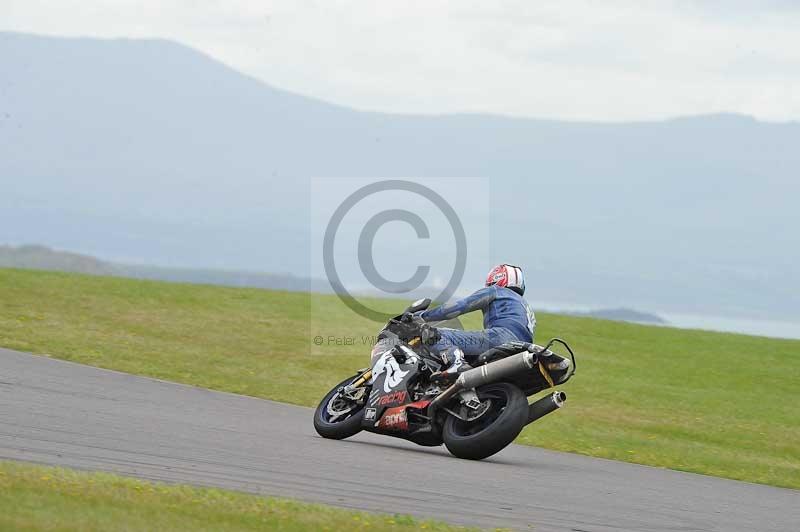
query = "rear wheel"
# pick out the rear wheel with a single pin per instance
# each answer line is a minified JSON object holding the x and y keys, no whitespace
{"x":497,"y":421}
{"x":338,"y":417}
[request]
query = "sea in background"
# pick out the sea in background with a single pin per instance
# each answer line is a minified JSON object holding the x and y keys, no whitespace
{"x":757,"y":327}
{"x":752,"y":326}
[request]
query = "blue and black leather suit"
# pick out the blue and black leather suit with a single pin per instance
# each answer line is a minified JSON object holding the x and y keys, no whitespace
{"x":507,"y":317}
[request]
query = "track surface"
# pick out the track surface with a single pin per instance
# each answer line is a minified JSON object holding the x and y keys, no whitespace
{"x":66,"y":414}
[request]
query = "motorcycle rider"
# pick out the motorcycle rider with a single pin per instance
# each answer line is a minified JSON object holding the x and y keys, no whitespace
{"x":507,"y":317}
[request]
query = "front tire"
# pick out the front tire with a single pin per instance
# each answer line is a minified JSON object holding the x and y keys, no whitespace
{"x":493,"y":430}
{"x":341,"y":427}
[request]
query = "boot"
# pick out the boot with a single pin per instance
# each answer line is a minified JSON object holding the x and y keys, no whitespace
{"x":453,"y":363}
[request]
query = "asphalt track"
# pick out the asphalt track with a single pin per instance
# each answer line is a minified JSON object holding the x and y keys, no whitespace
{"x":67,"y":414}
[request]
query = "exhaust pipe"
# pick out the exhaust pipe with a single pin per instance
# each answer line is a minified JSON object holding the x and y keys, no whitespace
{"x":499,"y":370}
{"x":545,"y":405}
{"x":486,"y":374}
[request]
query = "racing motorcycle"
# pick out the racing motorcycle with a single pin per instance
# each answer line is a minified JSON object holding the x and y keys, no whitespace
{"x":407,"y":393}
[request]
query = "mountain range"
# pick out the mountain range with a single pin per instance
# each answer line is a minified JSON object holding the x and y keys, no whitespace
{"x":149,"y":151}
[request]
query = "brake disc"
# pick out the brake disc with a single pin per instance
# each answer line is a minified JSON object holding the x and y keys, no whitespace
{"x":473,"y":414}
{"x":338,"y":407}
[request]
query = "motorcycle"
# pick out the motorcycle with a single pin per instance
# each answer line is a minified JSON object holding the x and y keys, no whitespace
{"x":475,"y":414}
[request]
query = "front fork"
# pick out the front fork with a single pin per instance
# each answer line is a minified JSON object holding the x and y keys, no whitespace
{"x":351,"y":390}
{"x":365,"y":377}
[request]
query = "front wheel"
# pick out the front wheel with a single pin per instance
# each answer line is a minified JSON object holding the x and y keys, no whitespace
{"x":504,"y":415}
{"x":338,"y":417}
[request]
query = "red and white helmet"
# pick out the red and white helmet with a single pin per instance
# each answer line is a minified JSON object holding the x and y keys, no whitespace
{"x":507,"y":276}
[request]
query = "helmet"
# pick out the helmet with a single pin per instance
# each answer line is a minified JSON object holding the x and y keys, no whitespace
{"x":507,"y":276}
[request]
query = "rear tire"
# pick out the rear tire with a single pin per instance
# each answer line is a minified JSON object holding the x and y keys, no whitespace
{"x":483,"y":437}
{"x":339,"y":429}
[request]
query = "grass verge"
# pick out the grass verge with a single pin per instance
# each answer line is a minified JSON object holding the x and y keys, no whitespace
{"x":55,"y":499}
{"x":713,"y":403}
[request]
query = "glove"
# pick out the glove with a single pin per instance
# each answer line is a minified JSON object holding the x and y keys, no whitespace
{"x":430,"y":335}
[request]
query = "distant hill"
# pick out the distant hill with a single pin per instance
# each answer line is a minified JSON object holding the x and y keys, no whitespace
{"x":44,"y":258}
{"x":147,"y":151}
{"x":620,"y":314}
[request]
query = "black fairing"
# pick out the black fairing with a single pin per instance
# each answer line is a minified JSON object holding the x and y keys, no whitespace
{"x":379,"y":399}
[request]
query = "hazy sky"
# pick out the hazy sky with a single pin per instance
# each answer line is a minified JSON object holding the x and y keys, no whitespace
{"x":609,"y":60}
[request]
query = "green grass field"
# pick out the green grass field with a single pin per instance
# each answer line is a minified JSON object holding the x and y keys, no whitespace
{"x":720,"y":404}
{"x":55,"y":499}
